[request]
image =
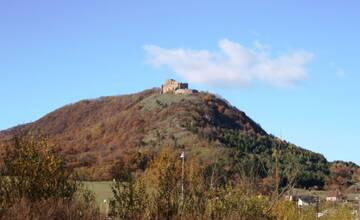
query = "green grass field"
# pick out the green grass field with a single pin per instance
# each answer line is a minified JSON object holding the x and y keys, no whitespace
{"x":102,"y":192}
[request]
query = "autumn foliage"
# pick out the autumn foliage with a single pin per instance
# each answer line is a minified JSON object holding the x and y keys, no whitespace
{"x":34,"y":184}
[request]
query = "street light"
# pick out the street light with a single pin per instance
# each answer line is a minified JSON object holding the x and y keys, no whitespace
{"x":182,"y":156}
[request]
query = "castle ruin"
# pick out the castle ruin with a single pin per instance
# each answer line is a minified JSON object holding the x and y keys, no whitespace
{"x":172,"y":86}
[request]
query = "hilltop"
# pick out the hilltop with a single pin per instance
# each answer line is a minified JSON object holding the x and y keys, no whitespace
{"x":98,"y":130}
{"x":93,"y":134}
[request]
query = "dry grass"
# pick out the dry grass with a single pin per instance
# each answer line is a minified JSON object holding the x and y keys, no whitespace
{"x":51,"y":209}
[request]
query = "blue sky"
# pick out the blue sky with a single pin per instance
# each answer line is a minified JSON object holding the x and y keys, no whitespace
{"x":57,"y":52}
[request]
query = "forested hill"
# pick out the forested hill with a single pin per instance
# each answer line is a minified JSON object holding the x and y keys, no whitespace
{"x":93,"y":134}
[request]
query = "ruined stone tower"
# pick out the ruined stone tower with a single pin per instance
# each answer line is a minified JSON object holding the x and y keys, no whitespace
{"x":172,"y":86}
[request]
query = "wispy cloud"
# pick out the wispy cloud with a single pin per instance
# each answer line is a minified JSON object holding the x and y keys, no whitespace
{"x":232,"y":65}
{"x":339,"y":72}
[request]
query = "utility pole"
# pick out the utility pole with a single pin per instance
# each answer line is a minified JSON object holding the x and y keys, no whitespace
{"x":182,"y":156}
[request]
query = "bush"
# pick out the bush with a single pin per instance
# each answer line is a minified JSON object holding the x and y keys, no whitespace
{"x":32,"y":171}
{"x":130,"y":200}
{"x":34,"y":184}
{"x":236,"y":203}
{"x":286,"y":210}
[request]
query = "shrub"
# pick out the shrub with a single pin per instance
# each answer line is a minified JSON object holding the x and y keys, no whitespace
{"x":31,"y":170}
{"x":25,"y":209}
{"x":34,"y":184}
{"x":130,"y":200}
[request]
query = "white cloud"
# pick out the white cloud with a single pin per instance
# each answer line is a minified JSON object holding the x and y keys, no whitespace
{"x":234,"y":65}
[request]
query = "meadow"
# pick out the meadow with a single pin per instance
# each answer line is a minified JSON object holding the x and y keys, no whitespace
{"x":102,"y":191}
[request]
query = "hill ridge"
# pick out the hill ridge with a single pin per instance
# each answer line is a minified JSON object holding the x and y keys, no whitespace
{"x":92,"y":134}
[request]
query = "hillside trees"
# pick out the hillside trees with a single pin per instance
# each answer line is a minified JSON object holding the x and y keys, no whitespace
{"x":257,"y":151}
{"x":342,"y":175}
{"x":100,"y":130}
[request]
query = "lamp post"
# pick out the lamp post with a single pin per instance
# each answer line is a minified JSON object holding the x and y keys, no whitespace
{"x":182,"y":156}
